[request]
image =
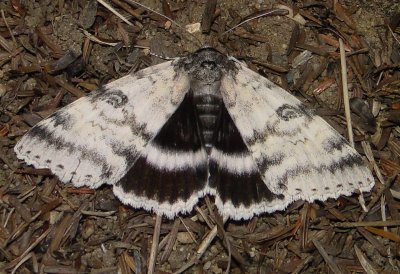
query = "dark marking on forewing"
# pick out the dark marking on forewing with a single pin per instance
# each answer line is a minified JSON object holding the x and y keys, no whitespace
{"x":151,"y":79}
{"x":106,"y":174}
{"x":140,"y":130}
{"x":137,"y":129}
{"x":130,"y":154}
{"x":62,"y":118}
{"x":340,"y":164}
{"x":272,"y":129}
{"x":272,"y":160}
{"x":335,"y":143}
{"x":147,"y":73}
{"x":288,"y":112}
{"x":268,"y":85}
{"x":115,"y":98}
{"x":43,"y":134}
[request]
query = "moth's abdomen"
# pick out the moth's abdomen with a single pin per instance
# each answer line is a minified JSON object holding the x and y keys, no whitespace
{"x":208,"y":109}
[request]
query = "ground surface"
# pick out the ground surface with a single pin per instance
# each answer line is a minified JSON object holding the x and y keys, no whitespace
{"x":47,"y":61}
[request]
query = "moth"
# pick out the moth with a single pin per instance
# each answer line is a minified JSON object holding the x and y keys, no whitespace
{"x":203,"y":124}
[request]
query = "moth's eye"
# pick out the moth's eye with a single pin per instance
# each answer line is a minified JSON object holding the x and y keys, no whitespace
{"x":288,"y":112}
{"x":117,"y":99}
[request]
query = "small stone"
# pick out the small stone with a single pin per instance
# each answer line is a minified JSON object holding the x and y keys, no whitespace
{"x":88,"y":229}
{"x":215,"y":269}
{"x":192,"y":28}
{"x":252,"y":252}
{"x":184,"y":238}
{"x":207,"y":265}
{"x":4,"y":118}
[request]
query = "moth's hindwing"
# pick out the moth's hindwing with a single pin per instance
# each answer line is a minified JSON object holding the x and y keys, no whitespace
{"x":235,"y":180}
{"x":171,"y":173}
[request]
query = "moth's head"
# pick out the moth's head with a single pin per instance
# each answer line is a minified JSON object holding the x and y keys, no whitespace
{"x":206,"y":65}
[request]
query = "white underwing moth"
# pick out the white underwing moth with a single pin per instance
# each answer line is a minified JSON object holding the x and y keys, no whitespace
{"x":170,"y":134}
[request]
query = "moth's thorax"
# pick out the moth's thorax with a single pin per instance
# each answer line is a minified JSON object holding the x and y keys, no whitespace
{"x":205,"y":66}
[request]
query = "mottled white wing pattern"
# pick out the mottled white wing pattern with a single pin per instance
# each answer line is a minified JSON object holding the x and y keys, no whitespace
{"x":96,"y":139}
{"x":297,"y":153}
{"x":202,"y":124}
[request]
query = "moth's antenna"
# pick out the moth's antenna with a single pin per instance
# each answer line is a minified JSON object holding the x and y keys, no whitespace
{"x":156,"y":12}
{"x":110,"y":8}
{"x":259,"y":14}
{"x":165,"y":17}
